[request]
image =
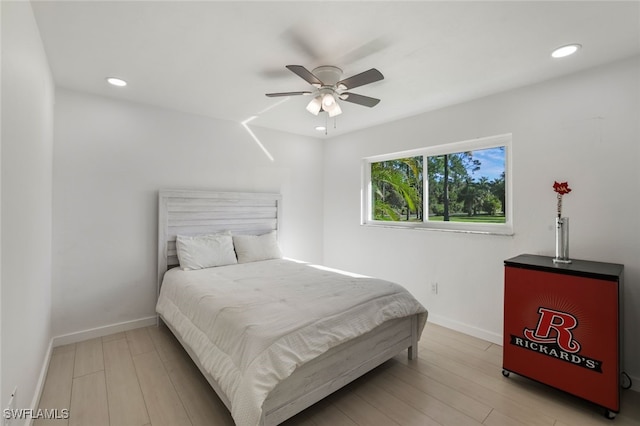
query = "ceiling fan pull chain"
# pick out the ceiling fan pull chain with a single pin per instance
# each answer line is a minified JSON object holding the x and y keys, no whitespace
{"x":326,"y":123}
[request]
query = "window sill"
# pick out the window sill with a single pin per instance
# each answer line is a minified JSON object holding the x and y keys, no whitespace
{"x":503,"y":231}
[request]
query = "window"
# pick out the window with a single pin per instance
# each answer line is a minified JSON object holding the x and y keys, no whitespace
{"x":462,"y":186}
{"x":397,"y":188}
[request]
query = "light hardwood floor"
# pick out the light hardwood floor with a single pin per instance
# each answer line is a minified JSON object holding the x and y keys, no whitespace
{"x":144,"y":377}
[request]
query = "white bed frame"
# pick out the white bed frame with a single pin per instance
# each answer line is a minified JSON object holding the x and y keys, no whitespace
{"x":199,"y":212}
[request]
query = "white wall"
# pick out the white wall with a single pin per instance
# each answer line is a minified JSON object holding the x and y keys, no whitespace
{"x":583,"y":129}
{"x":111,"y":158}
{"x":27,"y":144}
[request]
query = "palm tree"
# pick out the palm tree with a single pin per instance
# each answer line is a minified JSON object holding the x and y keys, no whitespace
{"x":397,"y":187}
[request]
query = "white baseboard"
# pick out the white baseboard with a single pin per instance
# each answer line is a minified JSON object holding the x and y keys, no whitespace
{"x":466,"y":329}
{"x":79,"y":336}
{"x":41,"y":379}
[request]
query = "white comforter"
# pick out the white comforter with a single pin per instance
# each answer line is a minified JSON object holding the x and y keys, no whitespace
{"x":251,"y":325}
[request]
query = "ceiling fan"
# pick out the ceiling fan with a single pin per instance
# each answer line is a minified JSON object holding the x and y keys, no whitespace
{"x":329,"y":88}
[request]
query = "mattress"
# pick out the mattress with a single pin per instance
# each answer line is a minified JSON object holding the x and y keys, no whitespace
{"x":251,"y":325}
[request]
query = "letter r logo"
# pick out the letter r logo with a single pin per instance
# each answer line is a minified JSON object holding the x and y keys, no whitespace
{"x":561,"y":322}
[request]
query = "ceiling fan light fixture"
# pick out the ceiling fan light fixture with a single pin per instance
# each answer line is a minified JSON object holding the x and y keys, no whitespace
{"x":335,"y":110}
{"x":328,"y":101}
{"x":315,"y":105}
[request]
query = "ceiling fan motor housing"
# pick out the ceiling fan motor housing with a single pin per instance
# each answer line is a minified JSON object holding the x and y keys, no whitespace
{"x":328,"y":74}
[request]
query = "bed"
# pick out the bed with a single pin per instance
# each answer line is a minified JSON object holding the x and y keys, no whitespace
{"x":255,"y":329}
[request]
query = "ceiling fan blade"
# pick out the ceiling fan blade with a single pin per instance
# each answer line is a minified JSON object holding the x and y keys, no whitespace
{"x":305,"y":74}
{"x":361,"y":79}
{"x":367,"y":49}
{"x":359,"y":99}
{"x":274,"y":95}
{"x":301,"y":40}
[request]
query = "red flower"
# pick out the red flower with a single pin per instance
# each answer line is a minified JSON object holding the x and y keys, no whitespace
{"x":561,"y":188}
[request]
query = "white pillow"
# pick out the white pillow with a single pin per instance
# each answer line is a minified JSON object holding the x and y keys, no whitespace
{"x":251,"y":248}
{"x":205,"y":251}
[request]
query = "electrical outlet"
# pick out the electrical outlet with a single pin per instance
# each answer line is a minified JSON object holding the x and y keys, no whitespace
{"x":434,"y":288}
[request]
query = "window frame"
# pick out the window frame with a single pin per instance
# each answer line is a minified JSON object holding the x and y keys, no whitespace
{"x":504,"y":140}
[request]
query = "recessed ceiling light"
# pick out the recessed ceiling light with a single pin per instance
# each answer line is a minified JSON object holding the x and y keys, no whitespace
{"x":567,"y":50}
{"x":321,"y":128}
{"x":116,"y":81}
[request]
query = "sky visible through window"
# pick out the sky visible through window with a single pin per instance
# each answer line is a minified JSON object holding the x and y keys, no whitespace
{"x":491,"y":163}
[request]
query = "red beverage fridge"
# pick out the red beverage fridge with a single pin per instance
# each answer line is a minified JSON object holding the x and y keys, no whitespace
{"x":561,"y":326}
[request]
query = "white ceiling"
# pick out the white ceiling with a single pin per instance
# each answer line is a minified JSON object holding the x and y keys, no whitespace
{"x":219,"y":58}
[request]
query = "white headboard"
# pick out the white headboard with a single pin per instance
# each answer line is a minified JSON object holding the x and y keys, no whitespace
{"x":188,"y":212}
